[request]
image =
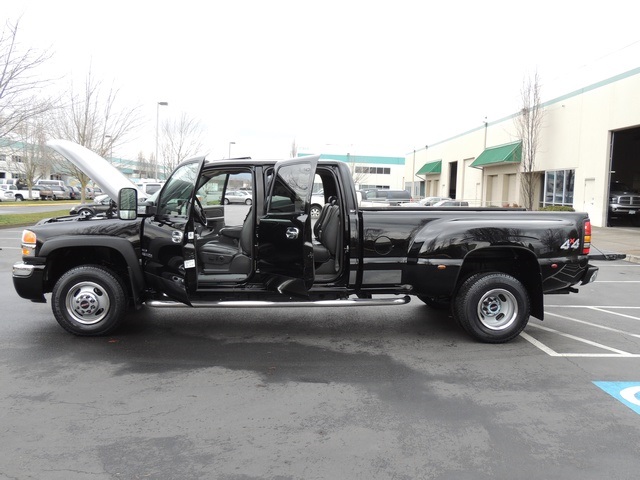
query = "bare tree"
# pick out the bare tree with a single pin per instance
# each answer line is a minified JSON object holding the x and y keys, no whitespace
{"x":145,"y":166}
{"x":293,"y":153}
{"x":528,"y":126}
{"x":19,"y":81}
{"x":181,"y":139}
{"x":93,"y":119}
{"x":30,"y":148}
{"x":359,"y":174}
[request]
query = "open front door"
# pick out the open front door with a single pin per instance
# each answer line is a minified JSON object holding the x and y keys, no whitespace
{"x":285,"y":250}
{"x":168,"y":249}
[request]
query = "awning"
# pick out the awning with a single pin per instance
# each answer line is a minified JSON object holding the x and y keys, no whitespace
{"x":431,"y":168}
{"x":509,"y":153}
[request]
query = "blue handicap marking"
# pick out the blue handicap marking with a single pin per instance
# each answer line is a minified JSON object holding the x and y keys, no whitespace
{"x":626,"y":392}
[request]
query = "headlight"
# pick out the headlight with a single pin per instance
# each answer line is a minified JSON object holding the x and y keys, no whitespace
{"x":28,"y":243}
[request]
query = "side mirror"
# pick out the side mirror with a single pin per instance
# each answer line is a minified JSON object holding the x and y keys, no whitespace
{"x":128,"y":204}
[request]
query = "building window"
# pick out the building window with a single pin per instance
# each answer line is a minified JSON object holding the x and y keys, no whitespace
{"x":16,"y":158}
{"x":374,"y":170}
{"x":558,"y":188}
{"x":3,"y":157}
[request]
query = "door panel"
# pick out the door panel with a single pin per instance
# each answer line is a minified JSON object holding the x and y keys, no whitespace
{"x":168,"y":251}
{"x":285,"y":249}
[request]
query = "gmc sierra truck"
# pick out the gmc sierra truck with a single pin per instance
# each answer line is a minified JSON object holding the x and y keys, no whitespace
{"x":186,"y":246}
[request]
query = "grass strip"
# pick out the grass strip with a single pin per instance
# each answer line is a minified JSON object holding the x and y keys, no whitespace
{"x":22,"y":219}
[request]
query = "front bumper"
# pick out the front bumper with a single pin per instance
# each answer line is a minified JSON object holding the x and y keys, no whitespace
{"x":28,"y":280}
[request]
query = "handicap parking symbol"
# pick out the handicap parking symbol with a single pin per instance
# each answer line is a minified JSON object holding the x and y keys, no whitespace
{"x":626,"y":392}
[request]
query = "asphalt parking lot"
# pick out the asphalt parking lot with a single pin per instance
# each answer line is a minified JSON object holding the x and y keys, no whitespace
{"x":372,"y":393}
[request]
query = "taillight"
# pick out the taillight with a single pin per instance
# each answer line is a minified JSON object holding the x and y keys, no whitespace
{"x":586,"y":238}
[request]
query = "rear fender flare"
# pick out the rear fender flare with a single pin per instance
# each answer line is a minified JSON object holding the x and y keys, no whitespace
{"x":518,"y":262}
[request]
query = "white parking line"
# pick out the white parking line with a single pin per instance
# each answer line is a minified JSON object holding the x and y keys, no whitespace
{"x":614,"y":352}
{"x":582,"y":340}
{"x":617,"y":281}
{"x":601,"y":309}
{"x":596,"y":325}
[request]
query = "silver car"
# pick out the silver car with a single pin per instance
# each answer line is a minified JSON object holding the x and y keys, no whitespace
{"x":238,"y":196}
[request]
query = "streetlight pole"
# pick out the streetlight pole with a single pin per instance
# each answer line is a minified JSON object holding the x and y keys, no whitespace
{"x":164,"y":104}
{"x":230,"y":143}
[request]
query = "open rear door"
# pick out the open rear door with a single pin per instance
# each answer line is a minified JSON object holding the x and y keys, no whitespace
{"x":285,"y":250}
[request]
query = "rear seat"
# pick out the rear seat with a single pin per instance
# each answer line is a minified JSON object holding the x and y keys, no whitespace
{"x":327,"y":241}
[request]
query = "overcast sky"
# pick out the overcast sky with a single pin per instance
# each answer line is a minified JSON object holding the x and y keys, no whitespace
{"x":345,"y":76}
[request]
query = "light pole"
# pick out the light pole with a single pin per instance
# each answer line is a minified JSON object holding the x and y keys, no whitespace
{"x":230,"y":143}
{"x":164,"y":104}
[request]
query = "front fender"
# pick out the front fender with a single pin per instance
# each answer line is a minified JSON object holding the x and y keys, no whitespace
{"x":121,"y":245}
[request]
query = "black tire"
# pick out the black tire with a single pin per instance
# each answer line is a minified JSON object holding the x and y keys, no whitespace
{"x":315,"y":211}
{"x":89,"y":300}
{"x":86,"y":212}
{"x":226,"y":201}
{"x":19,"y":198}
{"x":248,"y":201}
{"x":437,"y":303}
{"x":492,"y":307}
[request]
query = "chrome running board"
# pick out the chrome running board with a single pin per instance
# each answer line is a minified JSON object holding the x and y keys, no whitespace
{"x":355,"y":302}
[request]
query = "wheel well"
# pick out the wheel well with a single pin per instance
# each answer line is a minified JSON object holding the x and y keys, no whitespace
{"x":520,"y":263}
{"x":64,"y":259}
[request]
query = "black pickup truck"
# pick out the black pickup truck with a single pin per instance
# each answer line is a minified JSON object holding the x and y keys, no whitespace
{"x":188,"y":246}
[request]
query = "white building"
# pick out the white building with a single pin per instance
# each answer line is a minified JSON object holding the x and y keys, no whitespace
{"x":589,"y":138}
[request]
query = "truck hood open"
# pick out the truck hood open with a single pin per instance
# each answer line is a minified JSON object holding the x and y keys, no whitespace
{"x":108,"y":178}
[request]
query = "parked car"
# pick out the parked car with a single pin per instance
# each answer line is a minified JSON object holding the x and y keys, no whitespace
{"x":74,"y":193}
{"x":18,"y":194}
{"x":381,"y":197}
{"x":425,"y":202}
{"x":101,"y":204}
{"x":45,"y":192}
{"x":238,"y":196}
{"x":451,"y":203}
{"x":7,"y":195}
{"x":624,"y":202}
{"x":60,"y":192}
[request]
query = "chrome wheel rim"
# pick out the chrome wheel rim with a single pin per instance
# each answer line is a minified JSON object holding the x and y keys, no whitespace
{"x":497,"y":309}
{"x":88,"y":303}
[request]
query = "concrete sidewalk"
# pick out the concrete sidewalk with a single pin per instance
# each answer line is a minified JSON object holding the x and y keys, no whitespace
{"x":616,"y":240}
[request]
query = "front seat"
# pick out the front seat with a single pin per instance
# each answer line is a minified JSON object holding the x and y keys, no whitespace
{"x":231,"y":251}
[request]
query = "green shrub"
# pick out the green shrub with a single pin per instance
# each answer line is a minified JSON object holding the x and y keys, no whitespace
{"x":557,"y":208}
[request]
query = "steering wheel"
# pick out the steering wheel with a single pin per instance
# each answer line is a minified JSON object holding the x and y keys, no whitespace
{"x":198,"y":211}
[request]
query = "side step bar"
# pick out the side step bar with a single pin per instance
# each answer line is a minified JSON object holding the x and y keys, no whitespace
{"x":355,"y":302}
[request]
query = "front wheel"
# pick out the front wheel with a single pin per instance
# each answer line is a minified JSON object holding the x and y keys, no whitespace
{"x":85,"y":213}
{"x":19,"y":198}
{"x":492,"y":307}
{"x":89,"y":300}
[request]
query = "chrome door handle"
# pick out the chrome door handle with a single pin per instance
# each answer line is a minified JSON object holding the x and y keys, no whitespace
{"x":292,"y":233}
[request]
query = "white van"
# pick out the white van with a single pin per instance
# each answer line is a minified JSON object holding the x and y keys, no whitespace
{"x":49,"y":183}
{"x":149,"y":187}
{"x":9,"y":181}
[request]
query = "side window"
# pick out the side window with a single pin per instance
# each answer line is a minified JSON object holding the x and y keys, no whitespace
{"x":178,"y":191}
{"x":292,"y":189}
{"x":227,"y":196}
